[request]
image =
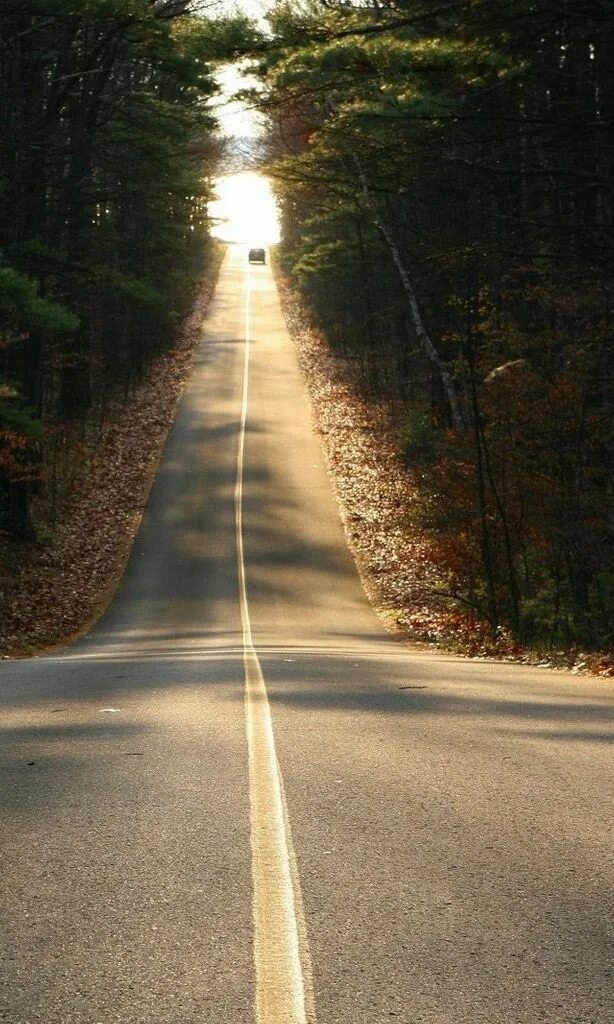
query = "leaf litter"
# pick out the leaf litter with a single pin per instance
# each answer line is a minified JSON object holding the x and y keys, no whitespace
{"x":380,"y":499}
{"x":54,"y":589}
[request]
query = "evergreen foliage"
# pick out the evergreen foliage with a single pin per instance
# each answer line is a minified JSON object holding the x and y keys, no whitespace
{"x":445,"y":175}
{"x":107,"y":152}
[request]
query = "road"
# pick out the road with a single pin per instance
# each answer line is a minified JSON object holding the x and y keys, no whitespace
{"x":238,"y":801}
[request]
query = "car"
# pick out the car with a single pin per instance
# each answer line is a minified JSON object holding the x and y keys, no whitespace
{"x":256,"y":256}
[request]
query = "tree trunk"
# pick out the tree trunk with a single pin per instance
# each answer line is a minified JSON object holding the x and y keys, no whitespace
{"x":420,"y":329}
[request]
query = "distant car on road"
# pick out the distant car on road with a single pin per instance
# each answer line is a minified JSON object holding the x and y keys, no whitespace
{"x":256,"y":256}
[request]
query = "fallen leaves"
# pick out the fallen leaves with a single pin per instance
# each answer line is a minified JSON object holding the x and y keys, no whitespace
{"x":379,"y":496}
{"x":54,"y":589}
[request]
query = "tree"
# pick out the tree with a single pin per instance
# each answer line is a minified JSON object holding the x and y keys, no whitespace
{"x":107,"y":147}
{"x":445,"y":173}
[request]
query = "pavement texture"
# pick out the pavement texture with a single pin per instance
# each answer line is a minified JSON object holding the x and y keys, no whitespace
{"x":452,"y":820}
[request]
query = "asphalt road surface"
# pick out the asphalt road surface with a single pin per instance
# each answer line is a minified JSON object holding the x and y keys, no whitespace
{"x":239,"y":802}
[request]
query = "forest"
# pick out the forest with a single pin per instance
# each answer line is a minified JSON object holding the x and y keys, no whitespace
{"x":445,"y":181}
{"x":107,"y":152}
{"x":445,"y":174}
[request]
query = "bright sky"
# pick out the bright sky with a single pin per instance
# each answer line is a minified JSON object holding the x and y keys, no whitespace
{"x":234,"y":117}
{"x":253,"y":8}
{"x":245,"y":209}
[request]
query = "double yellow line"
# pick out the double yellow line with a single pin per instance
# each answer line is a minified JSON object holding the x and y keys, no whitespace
{"x":284,"y":992}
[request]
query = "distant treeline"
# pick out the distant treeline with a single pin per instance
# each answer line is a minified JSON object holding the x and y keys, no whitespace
{"x":446,"y":174}
{"x":106,"y":157}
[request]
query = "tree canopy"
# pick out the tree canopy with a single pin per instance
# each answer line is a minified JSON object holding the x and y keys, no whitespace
{"x":107,"y":155}
{"x":446,"y":187}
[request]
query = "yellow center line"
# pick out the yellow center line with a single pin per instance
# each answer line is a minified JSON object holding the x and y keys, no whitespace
{"x":281,"y":957}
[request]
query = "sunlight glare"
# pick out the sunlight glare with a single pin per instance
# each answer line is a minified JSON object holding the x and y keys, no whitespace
{"x":245,"y":210}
